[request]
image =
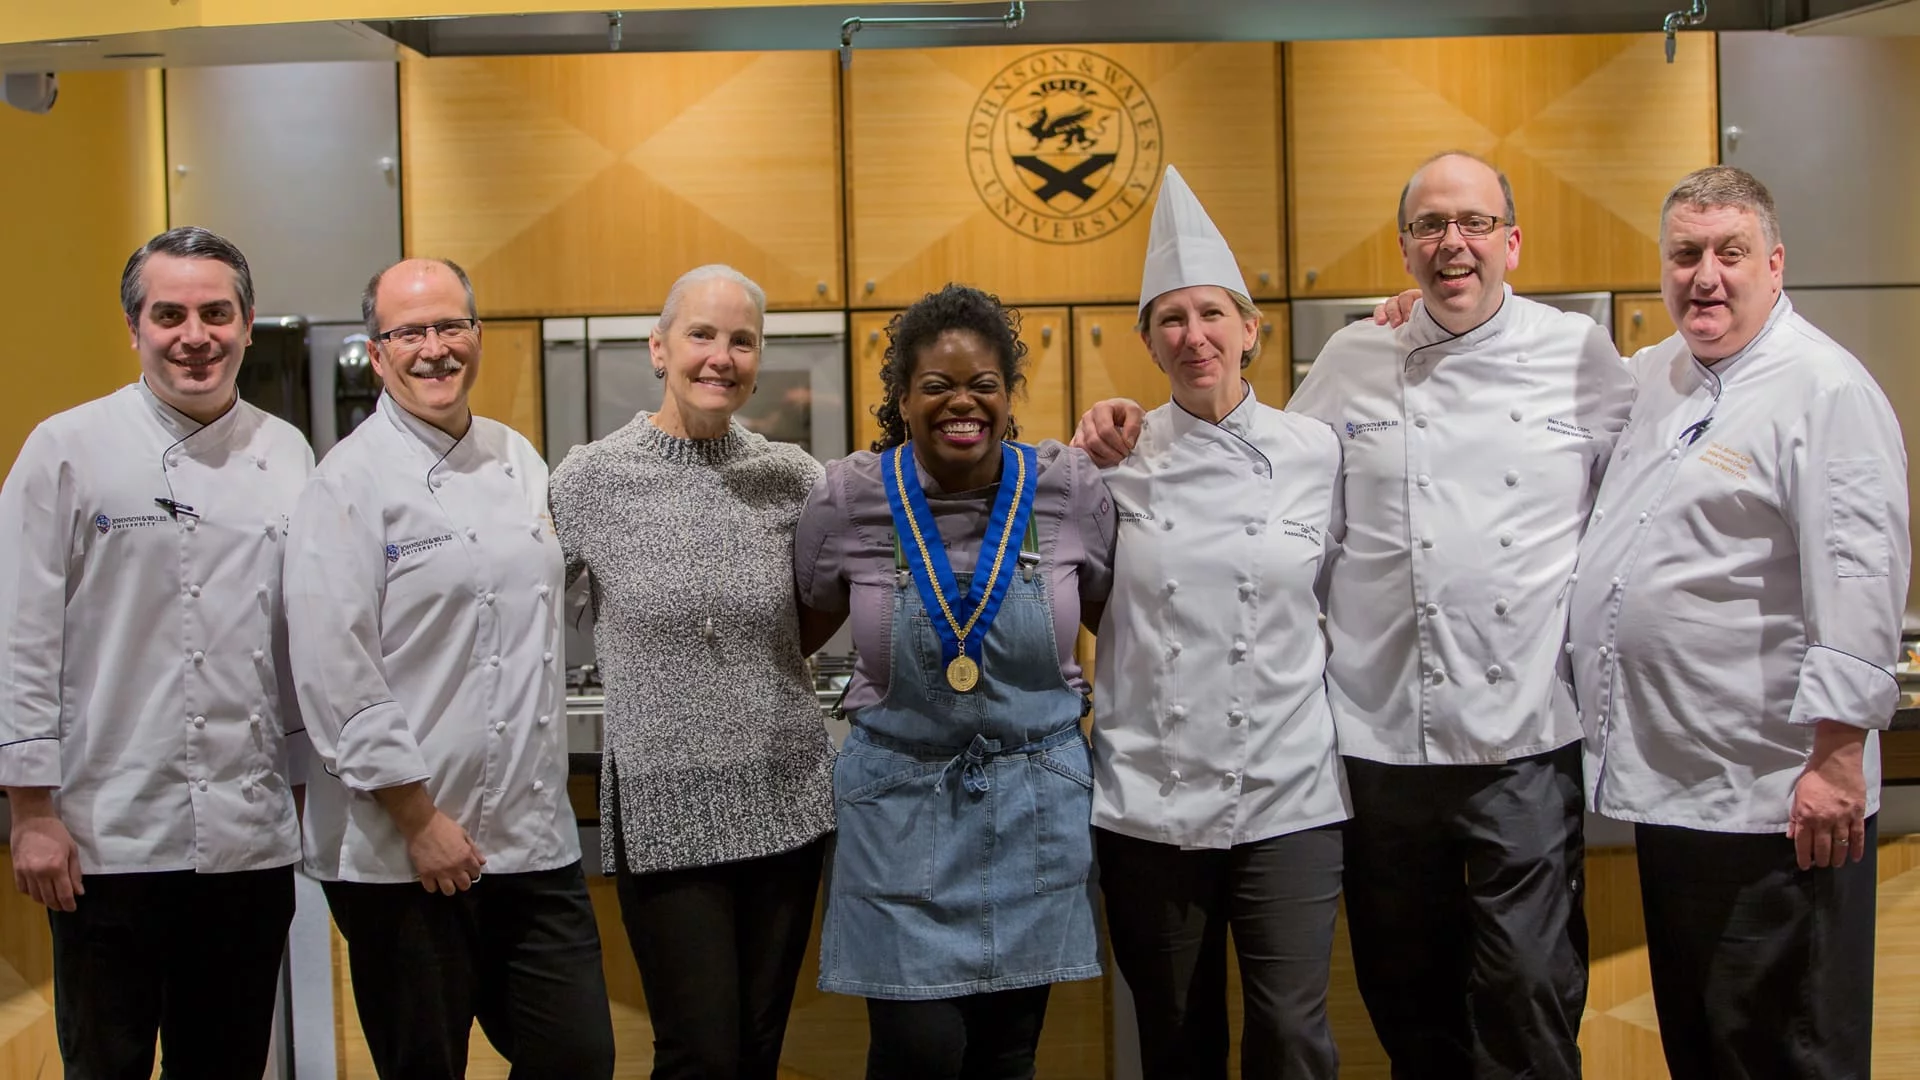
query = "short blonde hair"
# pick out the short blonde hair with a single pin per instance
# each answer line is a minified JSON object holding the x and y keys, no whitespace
{"x":1240,"y":303}
{"x":1725,"y":185}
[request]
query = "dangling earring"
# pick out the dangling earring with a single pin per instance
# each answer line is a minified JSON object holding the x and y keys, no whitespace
{"x":659,"y":373}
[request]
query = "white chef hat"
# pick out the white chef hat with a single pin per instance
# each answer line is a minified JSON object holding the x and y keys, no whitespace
{"x":1184,"y":247}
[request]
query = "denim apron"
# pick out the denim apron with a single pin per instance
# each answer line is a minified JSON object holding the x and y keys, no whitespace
{"x":964,"y":853}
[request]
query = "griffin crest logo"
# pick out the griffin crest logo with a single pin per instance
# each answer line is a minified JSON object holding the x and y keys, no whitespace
{"x":1064,"y":146}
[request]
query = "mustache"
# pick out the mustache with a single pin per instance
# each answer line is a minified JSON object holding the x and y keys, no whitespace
{"x":436,"y":368}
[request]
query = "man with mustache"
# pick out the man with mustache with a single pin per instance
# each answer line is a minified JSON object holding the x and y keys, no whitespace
{"x":1474,"y":436}
{"x":148,"y":735}
{"x":424,"y":592}
{"x":1733,"y":633}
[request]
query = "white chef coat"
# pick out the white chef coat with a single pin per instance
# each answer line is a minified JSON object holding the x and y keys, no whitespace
{"x":424,"y":595}
{"x":1740,"y":582}
{"x":1211,"y":725}
{"x":1471,"y":463}
{"x":144,"y":669}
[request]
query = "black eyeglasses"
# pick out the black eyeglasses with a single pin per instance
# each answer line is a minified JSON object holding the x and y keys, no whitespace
{"x":449,"y":330}
{"x":1433,"y":226}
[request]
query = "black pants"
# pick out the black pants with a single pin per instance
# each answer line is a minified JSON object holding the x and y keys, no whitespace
{"x":1761,"y":970}
{"x":976,"y":1037}
{"x":719,"y":950}
{"x":520,"y":953}
{"x":194,"y":957}
{"x":1168,"y":913}
{"x":1464,"y":904}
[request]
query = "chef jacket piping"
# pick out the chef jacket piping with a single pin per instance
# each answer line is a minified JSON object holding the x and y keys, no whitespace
{"x":1223,"y":428}
{"x":33,"y":738}
{"x":1877,"y":667}
{"x":343,"y":731}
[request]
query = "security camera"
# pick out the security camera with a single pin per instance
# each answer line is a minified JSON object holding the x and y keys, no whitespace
{"x":33,"y":91}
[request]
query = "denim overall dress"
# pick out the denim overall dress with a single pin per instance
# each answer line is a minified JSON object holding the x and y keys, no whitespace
{"x":964,"y":853}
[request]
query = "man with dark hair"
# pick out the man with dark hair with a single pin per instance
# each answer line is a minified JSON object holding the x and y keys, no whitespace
{"x":1733,"y":629}
{"x":148,"y":735}
{"x":424,"y":589}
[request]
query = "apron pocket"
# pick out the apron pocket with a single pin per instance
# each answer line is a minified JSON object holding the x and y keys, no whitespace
{"x":888,"y":822}
{"x":1063,"y":810}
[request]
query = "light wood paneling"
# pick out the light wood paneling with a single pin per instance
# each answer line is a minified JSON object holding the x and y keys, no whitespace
{"x":509,"y":387}
{"x":1110,"y":360}
{"x":1041,"y":408}
{"x":934,"y":193}
{"x":1592,"y":130}
{"x":1640,"y":320}
{"x":574,"y":185}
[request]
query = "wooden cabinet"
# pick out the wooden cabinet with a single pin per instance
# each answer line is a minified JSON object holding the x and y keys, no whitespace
{"x":585,"y":184}
{"x":509,"y":387}
{"x":1033,"y":173}
{"x":1640,"y":320}
{"x":1042,"y":409}
{"x":1110,"y":360}
{"x":1592,"y":130}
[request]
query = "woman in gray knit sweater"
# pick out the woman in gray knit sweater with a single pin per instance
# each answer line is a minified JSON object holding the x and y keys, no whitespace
{"x":717,"y":777}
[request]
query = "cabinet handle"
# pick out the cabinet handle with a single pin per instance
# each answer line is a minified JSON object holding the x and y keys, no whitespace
{"x":1639,"y":319}
{"x":873,"y":337}
{"x":1312,"y":276}
{"x":1096,"y":333}
{"x":1046,"y":335}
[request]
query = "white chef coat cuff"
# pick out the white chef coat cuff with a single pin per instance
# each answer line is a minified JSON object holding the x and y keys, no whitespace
{"x":31,"y":763}
{"x":299,"y":758}
{"x":1840,"y":686}
{"x":377,"y":750}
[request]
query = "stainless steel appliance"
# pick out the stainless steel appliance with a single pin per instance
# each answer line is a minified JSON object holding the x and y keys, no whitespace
{"x":273,"y":374}
{"x":1315,"y":321}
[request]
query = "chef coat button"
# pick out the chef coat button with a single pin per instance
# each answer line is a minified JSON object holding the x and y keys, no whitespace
{"x":260,"y":589}
{"x":1606,"y":650}
{"x":1433,"y":611}
{"x":487,"y":599}
{"x":1229,"y":779}
{"x":1166,"y":523}
{"x":499,"y":725}
{"x":1423,"y":480}
{"x":253,"y":718}
{"x":1259,"y":470}
{"x":509,"y":469}
{"x":1500,"y":606}
{"x":1599,"y":514}
{"x":199,"y":657}
{"x":199,"y":721}
{"x":1172,"y":585}
{"x":1439,"y":676}
{"x":1426,"y":542}
{"x":1236,"y":717}
{"x":1239,"y":647}
{"x":203,"y":785}
{"x":270,"y":525}
{"x":538,"y":533}
{"x":1643,"y":517}
{"x":1246,"y":590}
{"x":1674,"y":453}
{"x":544,"y":720}
{"x":192,"y":524}
{"x":260,"y":463}
{"x":539,"y":785}
{"x":1513,"y":478}
{"x":193,"y":591}
{"x":546,"y":591}
{"x":1493,"y":673}
{"x":1515,"y":414}
{"x":493,"y":661}
{"x":1253,"y":528}
{"x":1420,"y":421}
{"x":1174,"y":775}
{"x":1568,"y":648}
{"x":1506,"y":539}
{"x":1178,"y":712}
{"x":546,"y":658}
{"x":1575,"y":576}
{"x":473,"y":534}
{"x":435,"y":483}
{"x":1616,"y":584}
{"x":259,"y":655}
{"x":172,"y":460}
{"x":1173,"y":649}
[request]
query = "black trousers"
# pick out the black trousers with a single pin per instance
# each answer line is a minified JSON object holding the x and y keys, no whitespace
{"x":520,"y":953}
{"x":1464,"y":902}
{"x":976,"y":1037}
{"x":1761,"y":970}
{"x":1168,"y":914}
{"x":720,"y":950}
{"x":193,"y":957}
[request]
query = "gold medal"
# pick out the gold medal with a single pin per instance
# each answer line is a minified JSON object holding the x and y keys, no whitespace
{"x":963,"y":674}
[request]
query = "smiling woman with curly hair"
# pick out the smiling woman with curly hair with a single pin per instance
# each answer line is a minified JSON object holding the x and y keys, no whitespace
{"x":960,"y":888}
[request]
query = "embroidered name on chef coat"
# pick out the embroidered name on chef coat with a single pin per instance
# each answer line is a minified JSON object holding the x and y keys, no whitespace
{"x":1727,"y":460}
{"x":396,"y":552}
{"x":1564,"y":427}
{"x":104,"y":524}
{"x":1368,"y":427}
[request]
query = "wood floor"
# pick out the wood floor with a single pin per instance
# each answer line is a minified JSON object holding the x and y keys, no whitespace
{"x":827,"y":1038}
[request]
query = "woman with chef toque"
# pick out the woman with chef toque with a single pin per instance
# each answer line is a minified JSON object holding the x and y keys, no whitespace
{"x":1218,"y":793}
{"x":960,"y":886}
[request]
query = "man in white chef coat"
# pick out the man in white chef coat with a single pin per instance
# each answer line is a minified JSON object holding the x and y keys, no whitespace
{"x":1734,"y":630}
{"x":146,"y":721}
{"x":424,"y":595}
{"x":1475,"y":436}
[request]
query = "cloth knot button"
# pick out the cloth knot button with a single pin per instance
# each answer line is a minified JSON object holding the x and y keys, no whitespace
{"x":1493,"y":673}
{"x":546,"y":591}
{"x":499,"y":725}
{"x":473,"y":534}
{"x":260,"y":463}
{"x":199,"y":721}
{"x":1426,"y":542}
{"x":1423,"y":480}
{"x":539,"y":785}
{"x":486,"y":598}
{"x":1506,"y":539}
{"x":1253,"y":529}
{"x":193,"y":590}
{"x":253,"y":718}
{"x":1513,"y":478}
{"x":199,"y":657}
{"x":546,"y":658}
{"x":1178,"y":712}
{"x":1172,"y":585}
{"x":1515,"y":414}
{"x":493,"y":661}
{"x":259,"y":655}
{"x":1246,"y":589}
{"x":1236,"y":717}
{"x":1239,"y":648}
{"x":1500,"y":606}
{"x":1433,"y":611}
{"x":203,"y":785}
{"x":1439,"y":676}
{"x":1173,"y":649}
{"x":544,"y":720}
{"x":1166,"y":523}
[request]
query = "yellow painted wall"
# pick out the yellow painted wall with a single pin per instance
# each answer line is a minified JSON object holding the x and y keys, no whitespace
{"x":80,"y":189}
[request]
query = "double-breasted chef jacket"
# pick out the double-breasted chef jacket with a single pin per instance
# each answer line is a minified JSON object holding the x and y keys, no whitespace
{"x":143,"y":673}
{"x":1471,"y":462}
{"x":1743,"y":578}
{"x":424,"y":596}
{"x":1211,"y":724}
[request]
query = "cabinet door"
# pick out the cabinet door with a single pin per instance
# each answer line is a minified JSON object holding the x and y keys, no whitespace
{"x":1109,"y":360}
{"x":1042,"y":407}
{"x":1592,"y":130}
{"x":585,"y":184}
{"x":1640,"y":320}
{"x":1032,"y":173}
{"x":509,"y":387}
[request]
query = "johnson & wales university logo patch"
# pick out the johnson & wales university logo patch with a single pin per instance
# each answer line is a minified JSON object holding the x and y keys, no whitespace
{"x":1064,"y":146}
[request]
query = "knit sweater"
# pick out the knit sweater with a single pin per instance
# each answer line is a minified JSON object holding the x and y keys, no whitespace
{"x":714,"y":749}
